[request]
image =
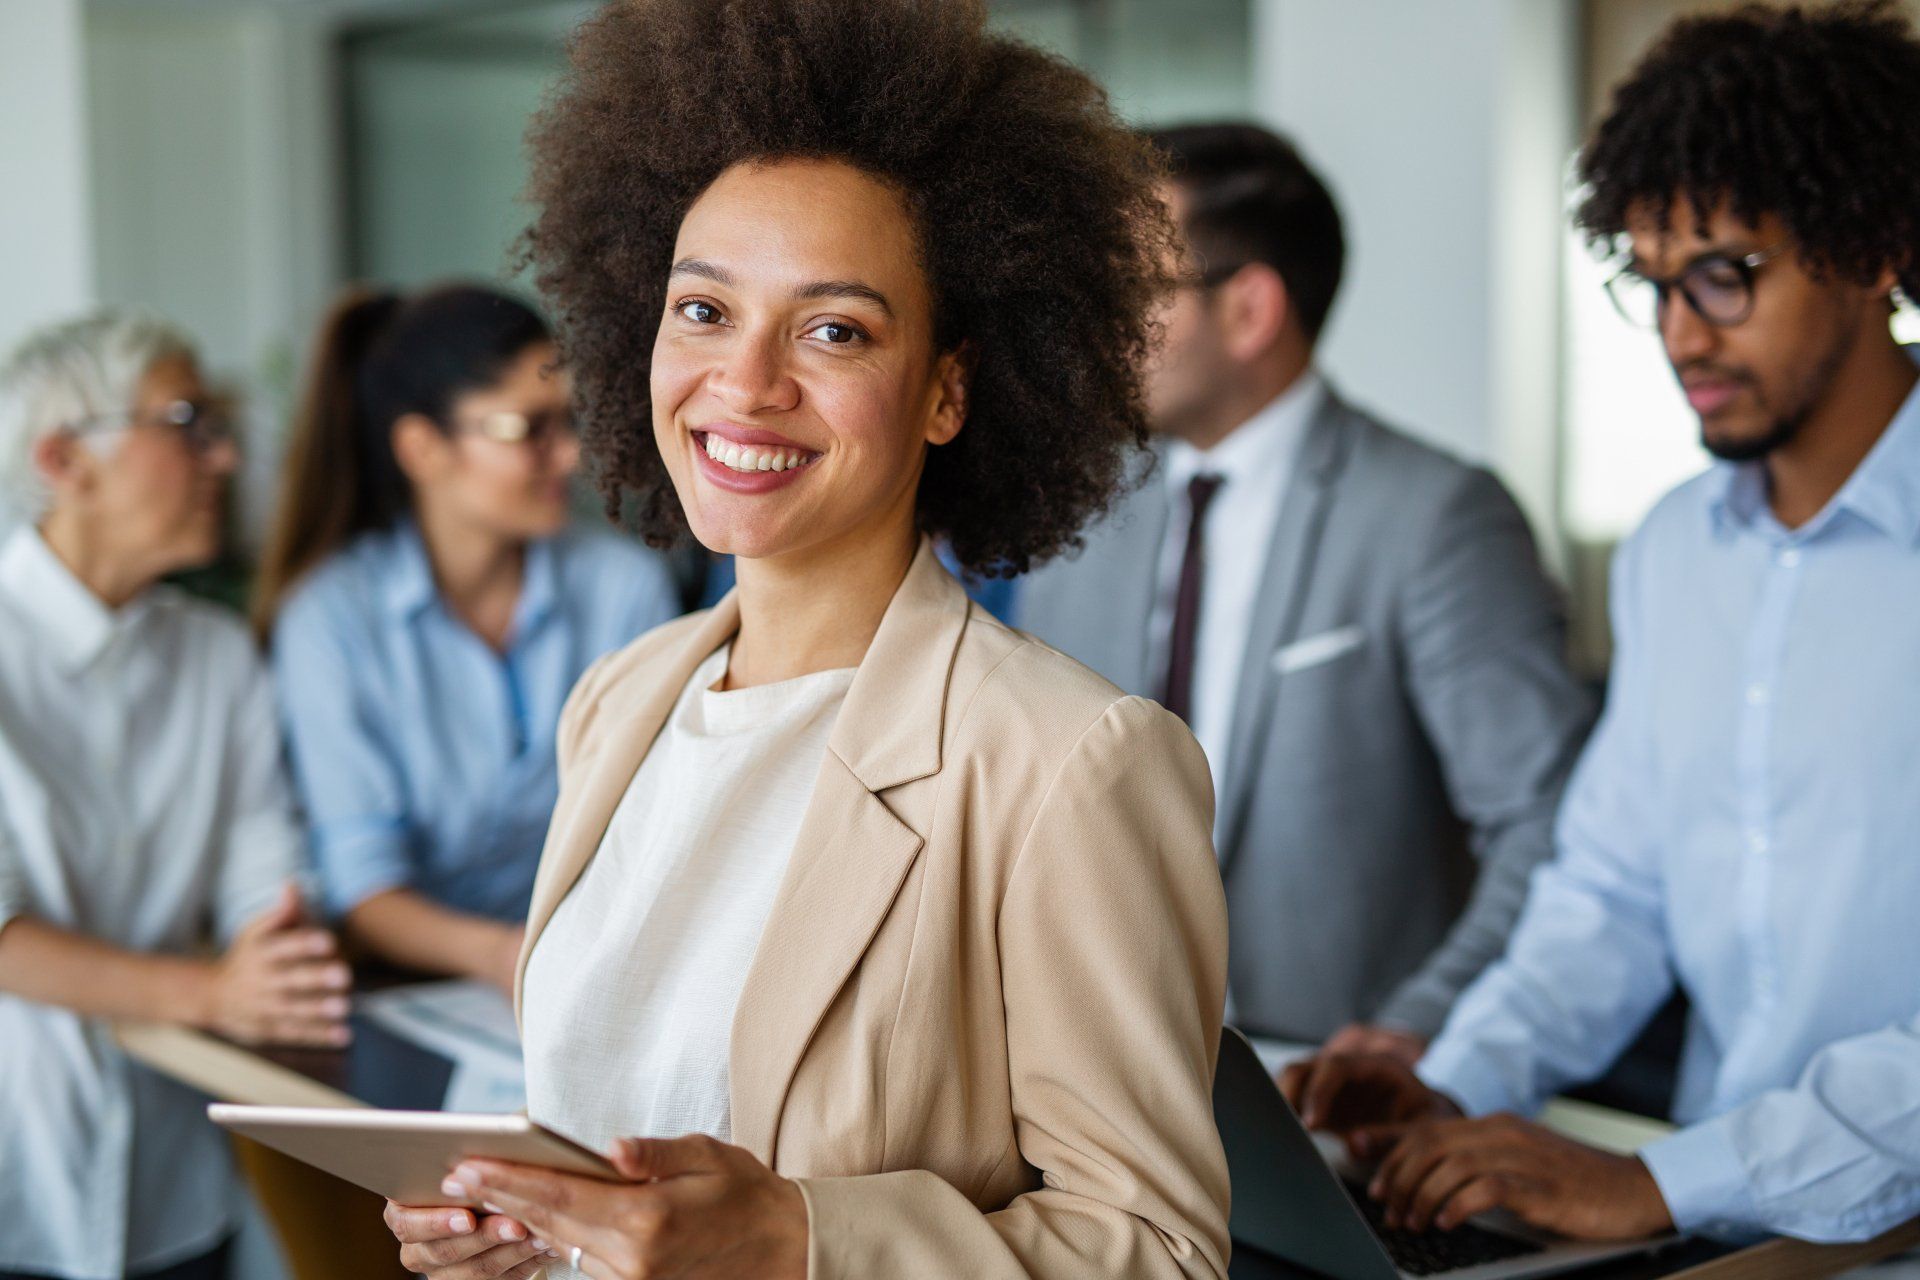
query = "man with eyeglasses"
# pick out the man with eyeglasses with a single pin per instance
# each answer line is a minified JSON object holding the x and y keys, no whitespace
{"x":145,"y":818}
{"x":1355,"y":625}
{"x":1746,"y":821}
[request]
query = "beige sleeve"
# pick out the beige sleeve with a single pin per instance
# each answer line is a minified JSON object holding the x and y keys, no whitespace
{"x":1113,"y":939}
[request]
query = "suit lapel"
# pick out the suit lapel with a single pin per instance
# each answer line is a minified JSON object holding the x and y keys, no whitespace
{"x":1276,"y":616}
{"x":853,"y":852}
{"x":849,"y":861}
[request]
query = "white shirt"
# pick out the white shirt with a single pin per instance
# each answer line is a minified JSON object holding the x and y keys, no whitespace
{"x":1255,"y":461}
{"x":142,"y":802}
{"x":631,"y":989}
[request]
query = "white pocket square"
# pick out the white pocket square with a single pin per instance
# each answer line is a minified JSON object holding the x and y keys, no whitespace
{"x":1314,"y":650}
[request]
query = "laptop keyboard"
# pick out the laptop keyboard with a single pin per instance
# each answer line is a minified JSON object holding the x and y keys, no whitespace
{"x":1431,"y":1253}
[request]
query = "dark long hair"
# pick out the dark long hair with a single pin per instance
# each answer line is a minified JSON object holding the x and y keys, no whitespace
{"x":379,"y":357}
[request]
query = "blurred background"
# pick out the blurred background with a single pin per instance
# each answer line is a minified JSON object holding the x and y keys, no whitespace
{"x":231,"y":162}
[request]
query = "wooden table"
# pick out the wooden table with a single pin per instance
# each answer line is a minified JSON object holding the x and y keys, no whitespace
{"x":314,"y":1212}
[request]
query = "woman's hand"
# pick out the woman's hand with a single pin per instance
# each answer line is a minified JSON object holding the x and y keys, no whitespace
{"x":694,"y":1208}
{"x":281,"y":982}
{"x":448,"y":1244}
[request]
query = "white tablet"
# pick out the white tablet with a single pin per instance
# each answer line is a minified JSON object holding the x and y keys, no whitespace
{"x":405,"y":1155}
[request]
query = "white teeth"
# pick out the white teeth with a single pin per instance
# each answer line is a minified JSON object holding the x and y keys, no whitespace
{"x":746,"y":458}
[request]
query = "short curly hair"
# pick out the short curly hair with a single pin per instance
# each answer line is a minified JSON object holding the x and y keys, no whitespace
{"x":1037,"y":214}
{"x":1809,"y":113}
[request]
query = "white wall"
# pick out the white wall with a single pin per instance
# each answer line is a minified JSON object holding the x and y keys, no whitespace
{"x":210,"y":156}
{"x":46,"y":250}
{"x":1444,"y":130}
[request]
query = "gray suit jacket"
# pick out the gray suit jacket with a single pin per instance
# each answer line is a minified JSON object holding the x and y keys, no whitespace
{"x":1405,"y":711}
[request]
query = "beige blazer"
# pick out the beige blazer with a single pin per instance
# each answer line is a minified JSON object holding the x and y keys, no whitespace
{"x":980,"y":1027}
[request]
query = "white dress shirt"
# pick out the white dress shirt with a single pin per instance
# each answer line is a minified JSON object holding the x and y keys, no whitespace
{"x":630,"y":992}
{"x":1255,"y":461}
{"x":142,"y":803}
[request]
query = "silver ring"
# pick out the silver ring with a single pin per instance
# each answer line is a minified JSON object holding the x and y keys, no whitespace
{"x":573,"y":1259}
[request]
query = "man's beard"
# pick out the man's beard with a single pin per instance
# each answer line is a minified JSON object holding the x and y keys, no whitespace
{"x":1783,"y":429}
{"x":1753,"y":448}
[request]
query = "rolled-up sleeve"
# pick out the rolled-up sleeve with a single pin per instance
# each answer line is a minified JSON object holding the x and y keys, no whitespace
{"x":14,"y":896}
{"x":350,"y":785}
{"x":265,"y":847}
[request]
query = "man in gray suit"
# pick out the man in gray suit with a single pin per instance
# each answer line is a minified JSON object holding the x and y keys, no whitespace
{"x":1356,"y":626}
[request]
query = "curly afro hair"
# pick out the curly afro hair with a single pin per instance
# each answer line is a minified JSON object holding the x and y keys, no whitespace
{"x":1037,"y":219}
{"x":1808,"y":113}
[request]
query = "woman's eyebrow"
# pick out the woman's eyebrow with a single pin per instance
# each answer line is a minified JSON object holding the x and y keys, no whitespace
{"x":844,"y":289}
{"x":809,"y":292}
{"x":702,"y":268}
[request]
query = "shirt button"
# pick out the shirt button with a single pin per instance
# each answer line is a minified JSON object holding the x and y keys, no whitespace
{"x":1756,"y":695}
{"x":1757,"y":841}
{"x":1790,"y":558}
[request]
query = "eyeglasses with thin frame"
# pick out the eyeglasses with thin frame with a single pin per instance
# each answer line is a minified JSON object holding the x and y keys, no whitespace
{"x":203,"y":424}
{"x":1717,"y":287}
{"x":538,"y":430}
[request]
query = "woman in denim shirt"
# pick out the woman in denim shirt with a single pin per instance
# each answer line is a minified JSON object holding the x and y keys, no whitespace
{"x":429,"y":608}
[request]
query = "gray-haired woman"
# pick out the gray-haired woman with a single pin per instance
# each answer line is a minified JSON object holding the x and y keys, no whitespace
{"x":141,"y":801}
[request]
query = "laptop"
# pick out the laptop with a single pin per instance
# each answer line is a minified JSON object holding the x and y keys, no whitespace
{"x":1296,"y":1197}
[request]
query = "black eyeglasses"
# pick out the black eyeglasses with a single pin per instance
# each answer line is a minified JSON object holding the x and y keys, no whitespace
{"x":1717,"y":287}
{"x":538,"y":430}
{"x":203,"y":424}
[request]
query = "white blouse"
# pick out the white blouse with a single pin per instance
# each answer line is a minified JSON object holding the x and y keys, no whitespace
{"x":630,"y":991}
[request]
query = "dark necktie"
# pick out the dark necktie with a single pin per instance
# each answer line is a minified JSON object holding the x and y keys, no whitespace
{"x":1178,"y":691}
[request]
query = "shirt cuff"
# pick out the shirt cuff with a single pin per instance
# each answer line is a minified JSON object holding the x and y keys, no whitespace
{"x":1454,"y":1067}
{"x":359,"y":859}
{"x":1702,"y":1180}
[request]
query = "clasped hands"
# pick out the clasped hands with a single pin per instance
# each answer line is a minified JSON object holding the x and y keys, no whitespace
{"x":1437,"y":1168}
{"x":691,"y":1208}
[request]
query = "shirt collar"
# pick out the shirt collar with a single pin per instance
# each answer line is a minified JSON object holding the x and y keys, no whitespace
{"x":411,"y":588}
{"x":539,"y":588}
{"x":1884,"y":490}
{"x":76,"y":622}
{"x":1259,"y":446}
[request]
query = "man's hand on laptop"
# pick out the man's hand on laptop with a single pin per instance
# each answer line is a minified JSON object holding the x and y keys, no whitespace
{"x":1439,"y":1173}
{"x":1342,"y":1092}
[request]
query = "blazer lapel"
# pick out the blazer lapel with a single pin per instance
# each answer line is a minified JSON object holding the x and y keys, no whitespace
{"x":630,"y":719}
{"x":1276,"y":616}
{"x":853,"y":851}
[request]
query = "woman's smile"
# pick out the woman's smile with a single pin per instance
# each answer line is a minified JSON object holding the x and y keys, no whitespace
{"x":748,"y":460}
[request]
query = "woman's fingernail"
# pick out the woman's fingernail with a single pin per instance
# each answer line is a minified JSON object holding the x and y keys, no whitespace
{"x":511,"y":1230}
{"x":455,"y":1188}
{"x":469,"y":1175}
{"x":536,"y":1243}
{"x":491,"y":1207}
{"x":459,"y":1223}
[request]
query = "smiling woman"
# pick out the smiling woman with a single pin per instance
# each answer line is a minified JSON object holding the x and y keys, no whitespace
{"x":913,"y":924}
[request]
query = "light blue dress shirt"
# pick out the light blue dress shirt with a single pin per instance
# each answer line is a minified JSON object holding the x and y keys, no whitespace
{"x":1746,"y":820}
{"x":423,"y":757}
